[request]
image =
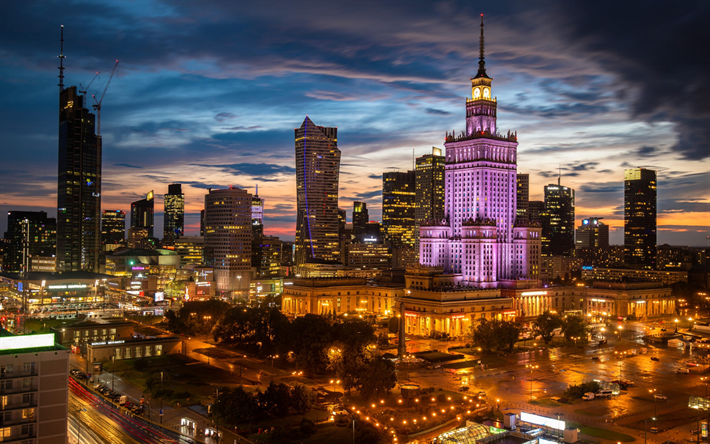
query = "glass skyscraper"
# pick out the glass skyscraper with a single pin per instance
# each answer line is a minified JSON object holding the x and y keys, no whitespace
{"x":142,"y":213}
{"x":640,"y":217}
{"x":430,"y":190}
{"x":79,"y":186}
{"x":558,"y":221}
{"x":317,"y":176}
{"x":174,"y":214}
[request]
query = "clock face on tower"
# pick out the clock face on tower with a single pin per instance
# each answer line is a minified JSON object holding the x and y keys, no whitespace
{"x":486,"y":93}
{"x":476,"y":93}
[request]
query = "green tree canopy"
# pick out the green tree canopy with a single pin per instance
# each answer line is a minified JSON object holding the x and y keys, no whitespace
{"x":545,"y":325}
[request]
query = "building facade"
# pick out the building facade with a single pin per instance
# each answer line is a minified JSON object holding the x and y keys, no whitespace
{"x":113,"y":227}
{"x":369,"y":255}
{"x":430,"y":190}
{"x":523,"y":196}
{"x":174,"y":214}
{"x":34,"y":379}
{"x":339,"y":296}
{"x":592,"y":234}
{"x":30,"y":236}
{"x":317,"y":178}
{"x":479,"y":239}
{"x":190,"y":249}
{"x":360,"y":219}
{"x":257,"y":215}
{"x":79,"y":185}
{"x":142,"y":213}
{"x":558,"y":221}
{"x":228,"y":234}
{"x":640,"y":206}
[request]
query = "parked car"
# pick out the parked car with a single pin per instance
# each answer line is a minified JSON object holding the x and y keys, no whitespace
{"x":653,"y":358}
{"x":482,"y":394}
{"x":464,"y":388}
{"x":595,"y":359}
{"x":683,"y":370}
{"x":660,"y":396}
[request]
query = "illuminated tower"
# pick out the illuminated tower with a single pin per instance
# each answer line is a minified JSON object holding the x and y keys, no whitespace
{"x":257,"y":215}
{"x":317,"y":174}
{"x":479,"y":238}
{"x":430,"y":190}
{"x":174,"y":214}
{"x":640,"y":217}
{"x":79,"y":182}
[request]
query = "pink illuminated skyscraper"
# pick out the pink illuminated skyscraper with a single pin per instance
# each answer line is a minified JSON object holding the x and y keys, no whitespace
{"x":480,"y":238}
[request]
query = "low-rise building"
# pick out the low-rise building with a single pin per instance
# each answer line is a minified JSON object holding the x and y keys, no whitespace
{"x":665,"y":277}
{"x":102,"y":351}
{"x":34,"y":382}
{"x":79,"y":334}
{"x":640,"y":300}
{"x":352,"y":295}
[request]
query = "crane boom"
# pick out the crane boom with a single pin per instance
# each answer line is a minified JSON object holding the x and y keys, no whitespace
{"x":84,"y":90}
{"x":97,"y":104}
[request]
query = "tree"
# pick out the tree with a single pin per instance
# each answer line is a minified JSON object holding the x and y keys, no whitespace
{"x":377,"y":378}
{"x":508,"y":333}
{"x":393,"y":325}
{"x":545,"y":325}
{"x":483,"y":334}
{"x":301,"y":399}
{"x":309,"y":338}
{"x":276,"y":400}
{"x":574,"y":327}
{"x":236,"y":406}
{"x":578,"y":390}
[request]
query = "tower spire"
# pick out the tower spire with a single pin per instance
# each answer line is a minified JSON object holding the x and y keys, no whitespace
{"x":61,"y":58}
{"x":481,"y":57}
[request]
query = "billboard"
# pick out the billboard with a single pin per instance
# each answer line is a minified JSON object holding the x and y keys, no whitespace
{"x":542,"y":421}
{"x":159,"y":296}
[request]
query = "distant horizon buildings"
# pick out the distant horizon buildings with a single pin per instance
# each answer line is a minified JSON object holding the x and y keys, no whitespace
{"x":640,"y":212}
{"x":79,"y":184}
{"x":317,"y":177}
{"x":173,"y":214}
{"x":592,"y":234}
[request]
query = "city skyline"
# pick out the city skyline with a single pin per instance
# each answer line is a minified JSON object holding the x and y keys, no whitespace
{"x":186,"y":112}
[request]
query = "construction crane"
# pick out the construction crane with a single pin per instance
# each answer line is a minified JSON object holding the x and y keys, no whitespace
{"x":83,"y":90}
{"x":97,"y":103}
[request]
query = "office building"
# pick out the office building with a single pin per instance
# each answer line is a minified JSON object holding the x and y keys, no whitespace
{"x":138,"y":238}
{"x":142,"y":213}
{"x":640,"y":217}
{"x":523,"y":196}
{"x":479,"y":243}
{"x":202,"y":222}
{"x":360,"y":218}
{"x":190,"y":249}
{"x":34,"y":373}
{"x":30,"y":235}
{"x":113,"y":228}
{"x":228,"y":232}
{"x":317,"y":176}
{"x":535,"y":209}
{"x":593,"y":233}
{"x":398,"y":207}
{"x":174,"y":214}
{"x":558,"y":221}
{"x":369,"y":255}
{"x":79,"y":185}
{"x":430,"y":190}
{"x":266,"y":257}
{"x":257,"y":215}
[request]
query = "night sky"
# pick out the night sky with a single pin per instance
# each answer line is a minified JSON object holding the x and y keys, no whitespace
{"x":208,"y":94}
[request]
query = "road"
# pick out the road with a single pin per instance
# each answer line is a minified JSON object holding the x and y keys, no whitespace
{"x":558,"y":368}
{"x":103,"y":423}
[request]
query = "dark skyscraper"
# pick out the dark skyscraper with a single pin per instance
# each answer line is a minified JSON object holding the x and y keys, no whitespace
{"x":398,"y":208}
{"x":640,"y":217}
{"x":174,"y":214}
{"x":79,"y":190}
{"x":257,"y":216}
{"x":113,"y":227}
{"x":32,"y":229}
{"x":558,"y":221}
{"x":142,"y":213}
{"x":360,"y":218}
{"x":535,"y":209}
{"x":430,"y":190}
{"x":202,"y":222}
{"x":523,"y":197}
{"x":317,"y":175}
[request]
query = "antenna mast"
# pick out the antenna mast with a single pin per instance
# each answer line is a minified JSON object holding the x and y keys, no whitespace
{"x":61,"y":58}
{"x":84,"y":90}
